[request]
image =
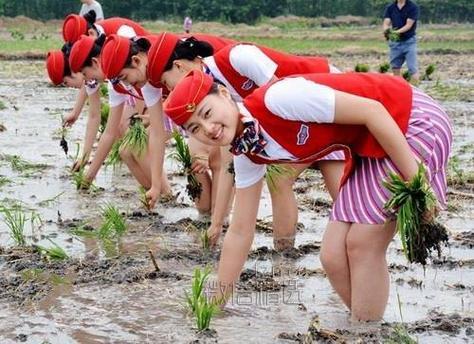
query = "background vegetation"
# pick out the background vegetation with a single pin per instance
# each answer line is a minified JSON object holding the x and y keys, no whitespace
{"x":238,"y":11}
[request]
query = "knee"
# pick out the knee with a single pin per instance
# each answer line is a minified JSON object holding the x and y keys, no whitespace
{"x":333,"y":260}
{"x":359,"y":249}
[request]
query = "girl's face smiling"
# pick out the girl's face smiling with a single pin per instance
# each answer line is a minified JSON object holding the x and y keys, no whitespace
{"x":135,"y":74}
{"x":215,"y":120}
{"x":93,"y":72}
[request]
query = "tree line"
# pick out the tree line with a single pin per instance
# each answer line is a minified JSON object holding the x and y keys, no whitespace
{"x":237,"y":11}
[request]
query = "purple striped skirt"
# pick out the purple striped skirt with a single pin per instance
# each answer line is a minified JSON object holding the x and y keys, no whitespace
{"x":362,"y":198}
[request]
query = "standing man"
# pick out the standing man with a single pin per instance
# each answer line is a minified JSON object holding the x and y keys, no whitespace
{"x":187,"y":24}
{"x":88,"y":5}
{"x":399,"y":27}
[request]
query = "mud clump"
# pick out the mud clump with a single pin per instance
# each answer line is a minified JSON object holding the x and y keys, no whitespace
{"x":252,"y":280}
{"x":464,"y":239}
{"x":197,"y":256}
{"x":263,"y":252}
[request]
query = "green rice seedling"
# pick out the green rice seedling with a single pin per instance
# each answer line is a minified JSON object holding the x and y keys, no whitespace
{"x":400,"y":335}
{"x":80,"y":181}
{"x":142,"y":197}
{"x":393,"y":36}
{"x":4,"y":181}
{"x":204,"y":312}
{"x":361,"y":68}
{"x":384,"y":67}
{"x":205,"y":240}
{"x":274,"y":172}
{"x":104,"y":91}
{"x":22,"y":165}
{"x":136,"y":138}
{"x":50,"y":201}
{"x":2,"y":105}
{"x":104,"y":116}
{"x":429,"y":72}
{"x":114,"y":159}
{"x":113,"y":223}
{"x":411,"y":199}
{"x":197,"y":287}
{"x":55,"y":253}
{"x":15,"y":219}
{"x":183,"y":155}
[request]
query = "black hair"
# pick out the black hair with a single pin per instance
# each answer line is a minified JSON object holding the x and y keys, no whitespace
{"x":66,"y":50}
{"x":189,"y":49}
{"x":140,"y":45}
{"x":91,"y":18}
{"x":95,"y":51}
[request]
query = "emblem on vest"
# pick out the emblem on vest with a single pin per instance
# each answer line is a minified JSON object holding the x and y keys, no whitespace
{"x":247,"y":85}
{"x":303,"y":135}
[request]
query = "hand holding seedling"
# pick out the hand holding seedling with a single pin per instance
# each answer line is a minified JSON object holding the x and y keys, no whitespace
{"x":199,"y":164}
{"x":70,"y":119}
{"x":152,"y":196}
{"x":214,"y":233}
{"x":145,"y":118}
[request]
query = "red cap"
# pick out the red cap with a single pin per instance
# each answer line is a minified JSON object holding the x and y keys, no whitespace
{"x":159,"y":55}
{"x":55,"y":65}
{"x":114,"y":55}
{"x":73,"y":27}
{"x":183,"y":100}
{"x":79,"y":52}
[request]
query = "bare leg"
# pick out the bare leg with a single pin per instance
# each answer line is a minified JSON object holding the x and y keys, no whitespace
{"x":334,"y":259}
{"x":332,"y":171}
{"x":366,"y":249}
{"x":129,"y":159}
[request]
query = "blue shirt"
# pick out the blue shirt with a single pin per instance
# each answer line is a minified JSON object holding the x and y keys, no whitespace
{"x":399,"y":17}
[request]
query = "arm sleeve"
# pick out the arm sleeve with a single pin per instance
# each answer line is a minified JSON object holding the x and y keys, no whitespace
{"x":247,"y":173}
{"x":299,"y":99}
{"x":251,"y":62}
{"x":414,"y":13}
{"x":151,"y":95}
{"x":98,"y":11}
{"x":115,"y":98}
{"x":387,"y":12}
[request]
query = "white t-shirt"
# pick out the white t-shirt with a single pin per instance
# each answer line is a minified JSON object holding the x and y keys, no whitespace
{"x":250,"y":62}
{"x":292,"y":99}
{"x":93,"y":6}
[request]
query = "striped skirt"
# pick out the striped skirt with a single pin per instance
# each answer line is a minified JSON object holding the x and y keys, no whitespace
{"x":362,"y":198}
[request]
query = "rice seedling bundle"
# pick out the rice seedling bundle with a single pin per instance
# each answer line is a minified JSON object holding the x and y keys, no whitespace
{"x":136,"y":138}
{"x":411,"y":199}
{"x":183,"y":155}
{"x":113,"y":159}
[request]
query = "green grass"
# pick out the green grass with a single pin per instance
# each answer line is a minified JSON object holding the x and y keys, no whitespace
{"x":30,"y":45}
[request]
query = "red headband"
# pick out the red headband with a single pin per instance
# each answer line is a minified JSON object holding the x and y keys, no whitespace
{"x":159,"y":55}
{"x":114,"y":55}
{"x":73,"y":27}
{"x":79,"y":53}
{"x":183,"y":100}
{"x":55,"y":66}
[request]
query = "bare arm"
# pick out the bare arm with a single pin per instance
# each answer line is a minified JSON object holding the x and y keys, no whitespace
{"x":157,"y":141}
{"x":351,"y":109}
{"x":106,"y":140}
{"x":406,"y":27}
{"x":239,"y":237}
{"x":387,"y":24}
{"x":93,"y":123}
{"x":223,"y":198}
{"x":72,"y":117}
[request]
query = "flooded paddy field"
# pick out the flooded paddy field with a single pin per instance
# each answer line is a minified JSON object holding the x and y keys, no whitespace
{"x":110,"y":291}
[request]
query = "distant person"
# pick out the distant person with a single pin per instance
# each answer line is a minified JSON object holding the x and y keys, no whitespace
{"x":88,"y":5}
{"x":187,"y":24}
{"x":399,"y":27}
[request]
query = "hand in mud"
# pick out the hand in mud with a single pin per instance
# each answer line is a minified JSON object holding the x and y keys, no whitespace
{"x":199,"y":164}
{"x":78,"y":164}
{"x":70,"y":119}
{"x":214,"y":233}
{"x":152,"y":196}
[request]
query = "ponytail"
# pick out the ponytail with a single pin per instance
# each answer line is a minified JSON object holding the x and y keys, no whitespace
{"x":90,"y":17}
{"x":66,"y":50}
{"x":139,"y":45}
{"x":189,"y":49}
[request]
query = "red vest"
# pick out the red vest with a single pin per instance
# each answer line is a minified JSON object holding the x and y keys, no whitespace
{"x":287,"y":65}
{"x":120,"y":89}
{"x":215,"y":41}
{"x":310,"y":141}
{"x":112,"y":25}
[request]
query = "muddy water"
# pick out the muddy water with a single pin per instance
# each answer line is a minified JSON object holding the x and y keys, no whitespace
{"x":112,"y":294}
